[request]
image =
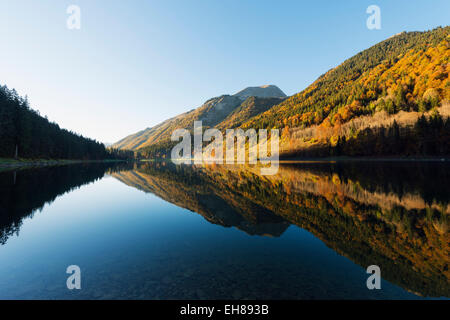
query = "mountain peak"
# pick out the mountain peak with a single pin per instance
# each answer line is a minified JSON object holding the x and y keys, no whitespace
{"x":265,"y":91}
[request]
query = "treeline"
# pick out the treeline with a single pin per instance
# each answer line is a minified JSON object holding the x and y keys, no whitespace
{"x":427,"y":137}
{"x":113,"y":153}
{"x":24,"y":133}
{"x":160,"y":150}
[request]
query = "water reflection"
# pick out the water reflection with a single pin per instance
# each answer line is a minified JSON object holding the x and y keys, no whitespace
{"x":395,"y":215}
{"x":24,"y":192}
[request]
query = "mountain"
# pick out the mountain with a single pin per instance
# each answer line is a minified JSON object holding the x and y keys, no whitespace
{"x":266,"y":91}
{"x":249,"y":108}
{"x":404,"y":72}
{"x":391,"y":99}
{"x":212,"y":113}
{"x":398,"y":79}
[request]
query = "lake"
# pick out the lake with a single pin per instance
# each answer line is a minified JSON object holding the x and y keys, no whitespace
{"x":156,"y":230}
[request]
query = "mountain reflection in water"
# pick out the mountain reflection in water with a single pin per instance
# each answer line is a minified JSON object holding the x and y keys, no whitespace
{"x":396,"y":214}
{"x":392,"y":214}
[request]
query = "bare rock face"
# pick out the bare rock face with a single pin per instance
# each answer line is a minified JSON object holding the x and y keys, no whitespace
{"x":266,"y":91}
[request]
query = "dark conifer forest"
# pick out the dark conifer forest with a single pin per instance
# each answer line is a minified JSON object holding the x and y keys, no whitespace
{"x":25,"y":134}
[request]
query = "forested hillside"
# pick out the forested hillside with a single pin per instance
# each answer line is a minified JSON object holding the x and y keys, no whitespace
{"x":389,"y":100}
{"x":398,"y":79}
{"x":24,"y":133}
{"x":428,"y":136}
{"x":406,"y":72}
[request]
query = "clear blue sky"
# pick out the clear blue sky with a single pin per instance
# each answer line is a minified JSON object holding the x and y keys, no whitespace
{"x":136,"y":63}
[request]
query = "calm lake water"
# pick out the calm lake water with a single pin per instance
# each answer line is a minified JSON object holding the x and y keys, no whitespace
{"x":160,"y":231}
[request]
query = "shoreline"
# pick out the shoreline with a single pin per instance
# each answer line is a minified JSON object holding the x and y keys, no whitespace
{"x":6,"y":163}
{"x":28,"y":163}
{"x":366,"y":159}
{"x":332,"y":159}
